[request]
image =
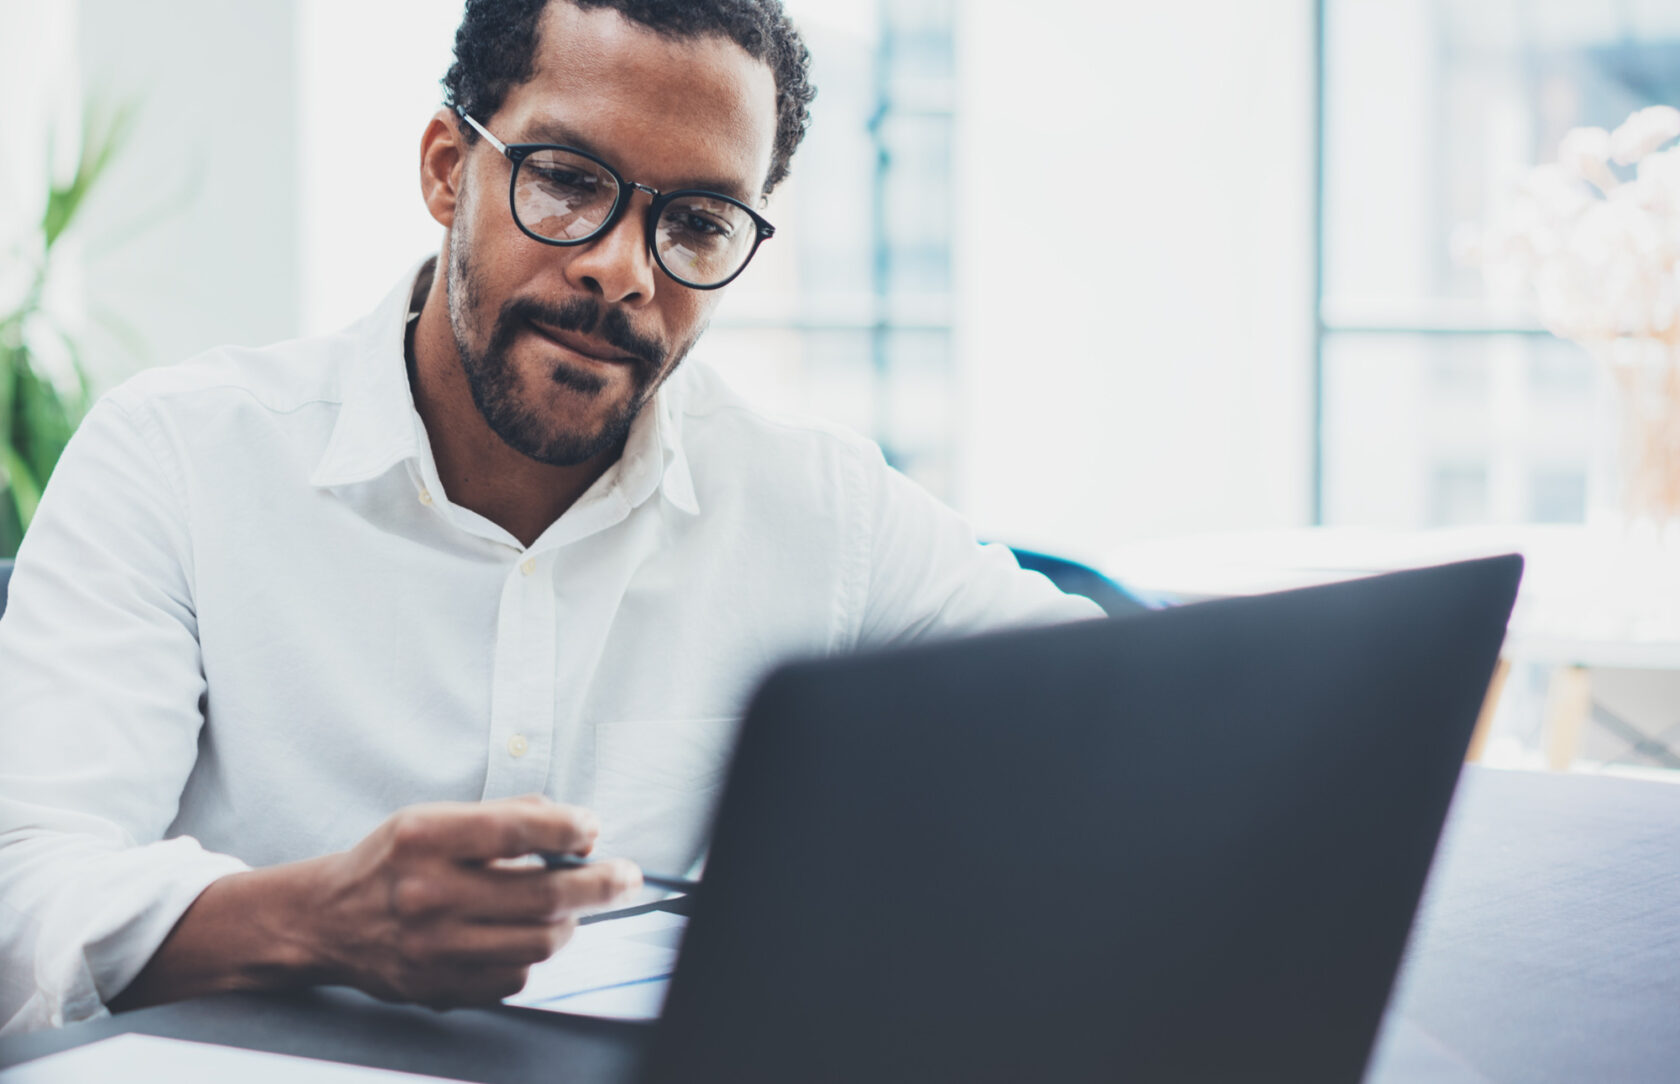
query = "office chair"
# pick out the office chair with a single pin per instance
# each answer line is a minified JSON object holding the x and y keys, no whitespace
{"x":1077,"y":579}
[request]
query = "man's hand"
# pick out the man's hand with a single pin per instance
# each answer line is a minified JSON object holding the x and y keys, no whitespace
{"x":418,"y":911}
{"x":421,"y":910}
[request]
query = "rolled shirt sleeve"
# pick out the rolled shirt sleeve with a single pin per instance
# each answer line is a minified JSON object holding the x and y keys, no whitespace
{"x":101,"y":697}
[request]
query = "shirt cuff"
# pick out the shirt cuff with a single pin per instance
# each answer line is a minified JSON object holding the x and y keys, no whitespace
{"x":107,"y":921}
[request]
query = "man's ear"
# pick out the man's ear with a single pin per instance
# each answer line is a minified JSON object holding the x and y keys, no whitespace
{"x":441,"y":163}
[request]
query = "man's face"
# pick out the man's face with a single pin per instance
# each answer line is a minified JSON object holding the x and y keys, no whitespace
{"x":563,"y":346}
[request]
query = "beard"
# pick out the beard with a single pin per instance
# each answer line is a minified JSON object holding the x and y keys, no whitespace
{"x":494,"y":382}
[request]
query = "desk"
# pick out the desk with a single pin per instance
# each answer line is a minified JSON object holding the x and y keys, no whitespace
{"x":1592,"y":598}
{"x":1548,"y":949}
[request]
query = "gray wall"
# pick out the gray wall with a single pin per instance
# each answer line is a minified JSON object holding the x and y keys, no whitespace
{"x":218,"y":131}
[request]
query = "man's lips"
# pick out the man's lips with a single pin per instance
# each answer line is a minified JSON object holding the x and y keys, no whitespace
{"x":586,"y":346}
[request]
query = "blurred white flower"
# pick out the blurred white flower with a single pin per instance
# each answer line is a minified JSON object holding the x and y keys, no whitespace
{"x":1660,"y":173}
{"x":1585,"y":152}
{"x":1599,"y":265}
{"x":1566,"y":304}
{"x":1665,"y":305}
{"x":1643,"y":193}
{"x":1556,"y":191}
{"x":1644,"y":132}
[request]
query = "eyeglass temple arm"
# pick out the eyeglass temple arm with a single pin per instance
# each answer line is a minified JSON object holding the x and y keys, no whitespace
{"x":482,"y":130}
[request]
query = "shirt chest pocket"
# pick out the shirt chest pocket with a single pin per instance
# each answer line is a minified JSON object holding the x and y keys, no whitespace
{"x":656,"y":784}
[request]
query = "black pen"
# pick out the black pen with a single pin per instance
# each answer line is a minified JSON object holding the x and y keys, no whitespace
{"x":654,"y":880}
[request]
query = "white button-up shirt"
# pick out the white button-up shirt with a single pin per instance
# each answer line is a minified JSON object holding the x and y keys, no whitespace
{"x":248,"y":624}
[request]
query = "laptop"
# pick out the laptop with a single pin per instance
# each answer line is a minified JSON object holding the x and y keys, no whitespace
{"x":1185,"y":845}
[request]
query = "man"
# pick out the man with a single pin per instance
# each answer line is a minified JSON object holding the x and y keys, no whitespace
{"x":308,"y":646}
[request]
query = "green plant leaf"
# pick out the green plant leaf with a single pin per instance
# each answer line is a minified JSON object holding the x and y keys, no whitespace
{"x":75,"y":403}
{"x":21,"y":484}
{"x":14,"y":361}
{"x":104,"y":131}
{"x":37,"y":415}
{"x":42,"y":421}
{"x":11,"y":524}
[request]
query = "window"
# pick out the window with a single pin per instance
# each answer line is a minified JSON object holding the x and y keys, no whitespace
{"x":851,"y":316}
{"x":1435,"y":410}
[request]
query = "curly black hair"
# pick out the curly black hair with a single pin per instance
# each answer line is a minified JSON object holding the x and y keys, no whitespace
{"x":496,"y":46}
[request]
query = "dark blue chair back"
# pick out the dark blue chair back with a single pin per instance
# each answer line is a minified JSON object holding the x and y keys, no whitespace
{"x":5,"y":578}
{"x":1077,"y":579}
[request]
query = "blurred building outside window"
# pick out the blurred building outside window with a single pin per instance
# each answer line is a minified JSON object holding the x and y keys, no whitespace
{"x":850,"y":317}
{"x":1438,"y":410}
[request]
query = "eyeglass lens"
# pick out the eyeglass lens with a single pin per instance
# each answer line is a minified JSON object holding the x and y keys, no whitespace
{"x":567,"y":197}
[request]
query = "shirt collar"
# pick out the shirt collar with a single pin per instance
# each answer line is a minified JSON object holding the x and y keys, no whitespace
{"x":378,"y":426}
{"x":653,"y":453}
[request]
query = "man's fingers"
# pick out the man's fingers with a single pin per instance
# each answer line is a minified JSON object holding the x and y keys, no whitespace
{"x":487,"y":894}
{"x":465,"y":944}
{"x":453,"y":925}
{"x":470,"y":984}
{"x":480,"y":831}
{"x":503,"y":895}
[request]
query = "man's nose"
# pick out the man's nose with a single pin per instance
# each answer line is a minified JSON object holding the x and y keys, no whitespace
{"x":616,"y":266}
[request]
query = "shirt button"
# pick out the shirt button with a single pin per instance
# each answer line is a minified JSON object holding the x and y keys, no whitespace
{"x":528,"y":566}
{"x":426,"y":497}
{"x":518,"y":746}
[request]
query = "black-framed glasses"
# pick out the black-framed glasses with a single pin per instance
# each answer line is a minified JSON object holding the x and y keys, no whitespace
{"x":563,"y":196}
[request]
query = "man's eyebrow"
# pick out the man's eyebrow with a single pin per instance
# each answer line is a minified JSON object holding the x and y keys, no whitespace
{"x":554,"y":131}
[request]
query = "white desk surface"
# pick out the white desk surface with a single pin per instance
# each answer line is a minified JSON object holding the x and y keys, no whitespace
{"x":1590,"y":596}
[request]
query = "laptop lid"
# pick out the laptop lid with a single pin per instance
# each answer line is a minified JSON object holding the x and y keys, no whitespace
{"x":1185,"y":845}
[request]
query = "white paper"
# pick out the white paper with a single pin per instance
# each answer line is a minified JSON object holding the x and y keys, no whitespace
{"x":147,"y":1059}
{"x":619,"y":969}
{"x":632,"y":1001}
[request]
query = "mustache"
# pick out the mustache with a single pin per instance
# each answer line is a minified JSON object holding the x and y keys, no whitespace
{"x":587,"y":317}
